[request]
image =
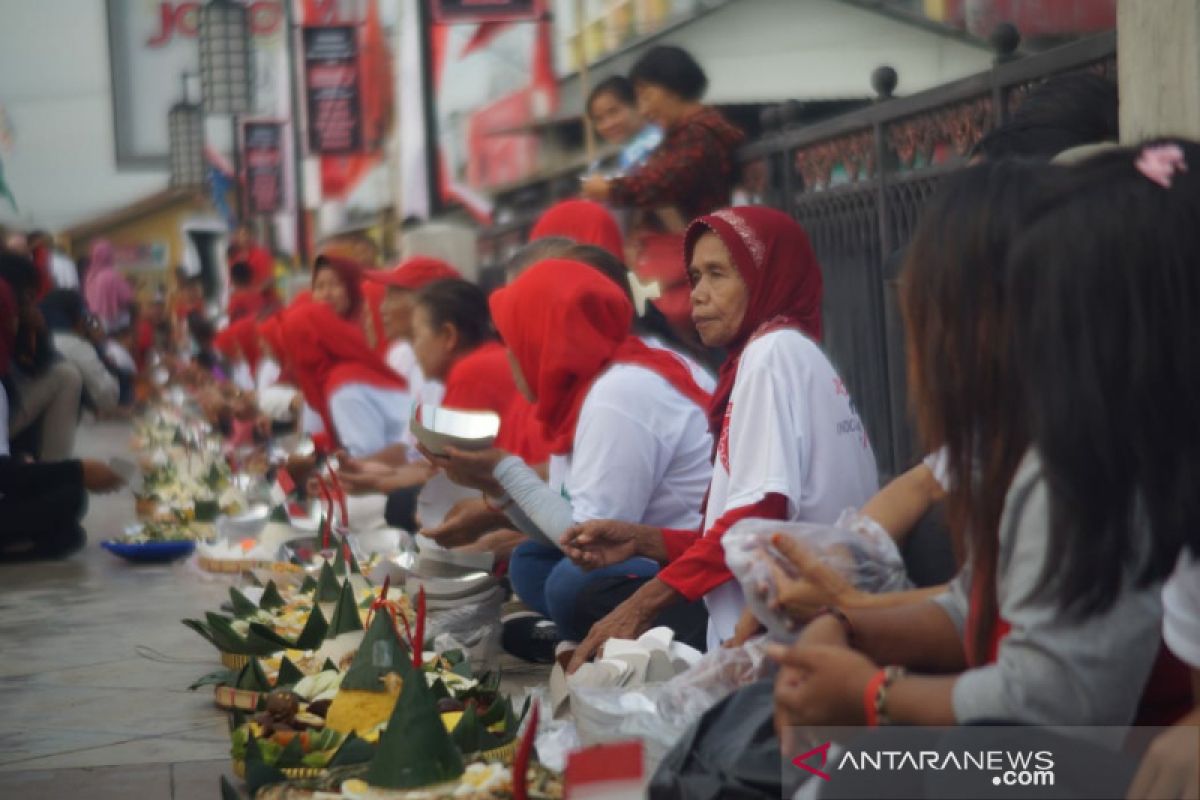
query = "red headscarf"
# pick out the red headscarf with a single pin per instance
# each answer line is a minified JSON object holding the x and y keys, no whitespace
{"x":240,"y":340}
{"x":326,"y":352}
{"x":245,"y":303}
{"x":581,"y":221}
{"x":8,"y":334}
{"x":783,"y":282}
{"x":566,"y":322}
{"x":351,"y":274}
{"x":415,"y":273}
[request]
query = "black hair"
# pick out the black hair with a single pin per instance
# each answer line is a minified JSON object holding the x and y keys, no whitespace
{"x":672,"y":68}
{"x":538,"y":250}
{"x":201,"y":329}
{"x":618,"y":86}
{"x":63,"y":309}
{"x":957,"y":306}
{"x":241,"y":274}
{"x":1060,"y":113}
{"x":461,"y":304}
{"x":1106,"y":299}
{"x":34,"y":350}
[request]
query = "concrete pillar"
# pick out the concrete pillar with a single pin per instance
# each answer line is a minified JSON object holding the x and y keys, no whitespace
{"x":1158,"y":65}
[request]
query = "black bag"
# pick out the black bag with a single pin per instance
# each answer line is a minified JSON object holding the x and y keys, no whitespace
{"x":731,"y":752}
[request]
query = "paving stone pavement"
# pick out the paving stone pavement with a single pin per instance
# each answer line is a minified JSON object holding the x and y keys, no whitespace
{"x":94,"y":668}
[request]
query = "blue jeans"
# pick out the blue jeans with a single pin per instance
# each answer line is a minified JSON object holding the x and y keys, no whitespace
{"x":550,"y":583}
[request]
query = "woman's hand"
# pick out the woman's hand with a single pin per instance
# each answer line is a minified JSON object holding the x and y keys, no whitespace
{"x":499,"y":543}
{"x":465,"y":522}
{"x":100,"y":477}
{"x":604,"y":542}
{"x":813,"y":585}
{"x":820,"y":685}
{"x":470,"y":468}
{"x":1171,"y":766}
{"x":746,"y":629}
{"x":595,"y":187}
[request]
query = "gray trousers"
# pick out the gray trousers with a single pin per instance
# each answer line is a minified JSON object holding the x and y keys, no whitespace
{"x":50,"y":401}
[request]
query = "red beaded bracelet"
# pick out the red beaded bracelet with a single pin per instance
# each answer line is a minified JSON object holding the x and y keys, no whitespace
{"x":871,"y":694}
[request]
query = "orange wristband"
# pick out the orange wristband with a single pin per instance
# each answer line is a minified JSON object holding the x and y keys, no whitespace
{"x":870,"y":694}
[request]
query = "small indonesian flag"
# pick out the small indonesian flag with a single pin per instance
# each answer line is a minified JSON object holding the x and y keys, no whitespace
{"x":282,"y":488}
{"x":606,"y":772}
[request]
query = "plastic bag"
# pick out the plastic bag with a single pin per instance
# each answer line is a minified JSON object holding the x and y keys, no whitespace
{"x":660,"y":714}
{"x":855,"y":546}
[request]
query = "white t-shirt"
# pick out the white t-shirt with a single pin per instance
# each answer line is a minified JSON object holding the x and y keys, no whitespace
{"x":369,"y":419}
{"x":119,"y":356}
{"x":403,"y":361}
{"x":1181,"y":610}
{"x":62,"y":270}
{"x":791,"y":429}
{"x":242,"y":377}
{"x":267,"y":374}
{"x":640,"y":453}
{"x":703,"y":378}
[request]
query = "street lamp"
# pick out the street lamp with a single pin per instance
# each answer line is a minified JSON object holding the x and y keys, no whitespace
{"x":226,"y":63}
{"x":185,"y":129}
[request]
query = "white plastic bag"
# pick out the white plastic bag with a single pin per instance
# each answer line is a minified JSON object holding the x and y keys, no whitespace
{"x":660,"y":714}
{"x":855,"y":546}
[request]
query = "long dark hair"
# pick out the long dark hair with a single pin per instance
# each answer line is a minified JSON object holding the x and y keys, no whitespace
{"x":955,"y":304}
{"x":1106,"y":287}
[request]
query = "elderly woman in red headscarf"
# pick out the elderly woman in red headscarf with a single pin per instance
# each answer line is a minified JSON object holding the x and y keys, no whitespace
{"x":362,"y":405}
{"x":625,"y":424}
{"x":399,"y":287}
{"x":790,"y":445}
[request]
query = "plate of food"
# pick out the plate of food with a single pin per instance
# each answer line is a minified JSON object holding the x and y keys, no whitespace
{"x":153,"y":542}
{"x":438,"y":427}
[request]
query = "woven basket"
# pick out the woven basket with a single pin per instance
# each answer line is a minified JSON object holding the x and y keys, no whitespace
{"x":234,"y":660}
{"x":505,"y":753}
{"x":230,"y":698}
{"x":294,"y":773}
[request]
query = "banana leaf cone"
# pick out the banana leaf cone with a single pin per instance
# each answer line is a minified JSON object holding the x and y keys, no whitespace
{"x":415,"y":750}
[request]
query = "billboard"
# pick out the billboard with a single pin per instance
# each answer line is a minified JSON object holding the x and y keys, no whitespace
{"x":151,"y":45}
{"x":262,"y":155}
{"x":331,"y":86}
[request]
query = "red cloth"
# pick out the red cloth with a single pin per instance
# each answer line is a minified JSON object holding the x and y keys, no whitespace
{"x":245,"y":303}
{"x":145,"y":342}
{"x":262,"y":264}
{"x":372,"y":318}
{"x":581,"y":221}
{"x":697,"y":563}
{"x":351,"y":275}
{"x":565,"y":322}
{"x":41,"y":260}
{"x":483,"y":380}
{"x":8,"y":333}
{"x":694,"y":169}
{"x":783,"y":279}
{"x":415,"y":273}
{"x":326,"y":352}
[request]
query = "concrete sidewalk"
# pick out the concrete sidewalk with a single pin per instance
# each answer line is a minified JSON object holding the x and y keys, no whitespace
{"x":95,"y":668}
{"x":95,"y":665}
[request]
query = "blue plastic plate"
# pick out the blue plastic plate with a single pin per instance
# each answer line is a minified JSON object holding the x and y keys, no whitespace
{"x":150,"y":552}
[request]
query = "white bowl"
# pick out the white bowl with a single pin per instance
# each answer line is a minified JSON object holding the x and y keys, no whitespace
{"x":438,"y":427}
